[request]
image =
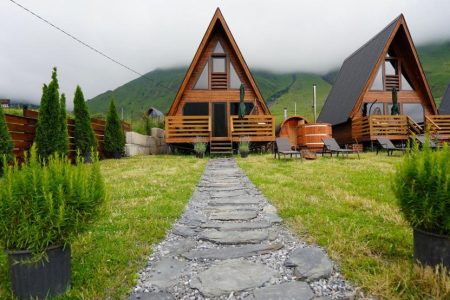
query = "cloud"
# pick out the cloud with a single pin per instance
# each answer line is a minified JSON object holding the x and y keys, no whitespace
{"x":283,"y":36}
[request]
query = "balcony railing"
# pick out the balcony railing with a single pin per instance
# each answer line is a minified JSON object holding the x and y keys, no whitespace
{"x":438,"y":124}
{"x":256,"y":128}
{"x":186,"y":129}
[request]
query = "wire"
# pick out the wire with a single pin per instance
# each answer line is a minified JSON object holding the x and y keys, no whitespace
{"x":88,"y":46}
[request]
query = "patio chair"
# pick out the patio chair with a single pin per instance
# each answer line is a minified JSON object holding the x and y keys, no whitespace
{"x":285,"y":148}
{"x":331,"y":146}
{"x":387,"y":145}
{"x":421,"y":139}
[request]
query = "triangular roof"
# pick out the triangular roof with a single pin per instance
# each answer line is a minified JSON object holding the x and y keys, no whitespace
{"x":352,"y":81}
{"x":444,"y":109}
{"x":217,"y":20}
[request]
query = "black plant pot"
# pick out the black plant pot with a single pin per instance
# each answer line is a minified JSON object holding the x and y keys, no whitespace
{"x":45,"y":278}
{"x":244,"y":154}
{"x":117,"y":155}
{"x":431,"y":249}
{"x":87,"y":158}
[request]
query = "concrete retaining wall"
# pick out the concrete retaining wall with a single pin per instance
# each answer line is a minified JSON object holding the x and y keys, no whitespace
{"x":139,"y":144}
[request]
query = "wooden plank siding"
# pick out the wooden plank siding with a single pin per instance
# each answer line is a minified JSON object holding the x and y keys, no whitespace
{"x":23,"y":129}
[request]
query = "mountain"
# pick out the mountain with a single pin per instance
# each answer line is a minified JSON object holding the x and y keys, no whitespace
{"x":158,"y":87}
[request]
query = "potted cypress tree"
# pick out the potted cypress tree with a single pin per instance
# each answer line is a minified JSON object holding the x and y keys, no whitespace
{"x":63,"y":134}
{"x":114,"y":138}
{"x":199,"y":149}
{"x":6,"y":144}
{"x":244,"y":147}
{"x":83,"y":134}
{"x":52,"y":203}
{"x":422,"y":187}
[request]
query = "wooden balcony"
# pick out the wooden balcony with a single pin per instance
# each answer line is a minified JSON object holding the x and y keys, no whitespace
{"x":258,"y":128}
{"x":187,"y":129}
{"x":439,"y":125}
{"x":398,"y":127}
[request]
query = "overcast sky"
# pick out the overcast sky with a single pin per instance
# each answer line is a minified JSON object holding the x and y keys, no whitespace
{"x":311,"y":36}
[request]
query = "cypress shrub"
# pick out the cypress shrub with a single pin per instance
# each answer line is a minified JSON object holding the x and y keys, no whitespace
{"x":114,"y":137}
{"x":63,"y":134}
{"x":48,"y":127}
{"x":6,"y":144}
{"x":84,"y":137}
{"x":48,"y":203}
{"x":422,"y":187}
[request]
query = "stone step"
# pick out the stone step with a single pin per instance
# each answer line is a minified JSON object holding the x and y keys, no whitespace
{"x":232,"y":252}
{"x":243,"y":226}
{"x":236,"y":237}
{"x":233,"y":215}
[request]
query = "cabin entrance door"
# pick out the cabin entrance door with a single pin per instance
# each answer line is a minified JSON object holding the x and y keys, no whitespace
{"x":219,"y":120}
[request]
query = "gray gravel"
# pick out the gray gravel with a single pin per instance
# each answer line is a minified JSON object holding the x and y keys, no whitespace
{"x":229,"y":244}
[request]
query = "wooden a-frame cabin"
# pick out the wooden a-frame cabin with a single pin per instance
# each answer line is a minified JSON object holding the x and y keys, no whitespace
{"x":359,"y":104}
{"x":207,"y":103}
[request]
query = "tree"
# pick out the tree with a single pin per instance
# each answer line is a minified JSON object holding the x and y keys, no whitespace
{"x":48,"y":127}
{"x":6,"y":144}
{"x":63,"y":134}
{"x":114,"y":137}
{"x":84,"y":137}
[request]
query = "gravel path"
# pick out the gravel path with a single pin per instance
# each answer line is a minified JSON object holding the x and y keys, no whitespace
{"x":229,"y":244}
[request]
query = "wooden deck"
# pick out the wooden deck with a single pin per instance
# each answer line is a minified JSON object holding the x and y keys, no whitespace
{"x":190,"y":129}
{"x":399,"y":127}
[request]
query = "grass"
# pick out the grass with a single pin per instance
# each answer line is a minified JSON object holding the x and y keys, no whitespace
{"x":145,"y":196}
{"x":347,"y":206}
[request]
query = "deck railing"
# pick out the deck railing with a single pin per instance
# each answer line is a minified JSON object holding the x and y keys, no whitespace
{"x":256,"y":128}
{"x":394,"y":127}
{"x":438,"y":124}
{"x":181,"y":129}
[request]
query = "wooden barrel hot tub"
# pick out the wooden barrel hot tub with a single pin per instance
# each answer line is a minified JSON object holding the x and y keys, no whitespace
{"x":289,"y":128}
{"x":311,"y":135}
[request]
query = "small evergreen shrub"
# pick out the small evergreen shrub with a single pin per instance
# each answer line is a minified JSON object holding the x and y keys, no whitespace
{"x":114,"y":143}
{"x":48,"y":203}
{"x":422,"y":187}
{"x":199,"y":147}
{"x":63,"y":133}
{"x":244,"y":146}
{"x":6,"y":144}
{"x":84,"y":137}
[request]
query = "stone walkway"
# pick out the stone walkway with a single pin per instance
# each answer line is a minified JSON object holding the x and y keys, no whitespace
{"x":229,"y":244}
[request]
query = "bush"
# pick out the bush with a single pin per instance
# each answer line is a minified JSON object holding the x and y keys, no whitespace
{"x":114,"y":137}
{"x":63,"y":134}
{"x":84,"y":137}
{"x":422,"y":188}
{"x":244,"y":146}
{"x":45,"y":204}
{"x":6,"y":144}
{"x":199,"y":147}
{"x":49,"y":131}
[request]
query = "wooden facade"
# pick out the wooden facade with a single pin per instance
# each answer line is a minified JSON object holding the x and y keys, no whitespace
{"x":395,"y":64}
{"x":205,"y":107}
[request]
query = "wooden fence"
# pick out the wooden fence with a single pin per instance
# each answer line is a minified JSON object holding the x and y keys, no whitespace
{"x":23,"y":130}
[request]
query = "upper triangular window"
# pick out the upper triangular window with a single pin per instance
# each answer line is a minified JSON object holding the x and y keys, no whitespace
{"x":406,"y":86}
{"x":218,"y":49}
{"x":202,"y":82}
{"x":235,"y":81}
{"x":377,"y":84}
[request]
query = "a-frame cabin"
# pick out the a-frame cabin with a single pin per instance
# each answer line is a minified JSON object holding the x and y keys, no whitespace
{"x":207,"y":103}
{"x":359,"y":104}
{"x":444,"y":108}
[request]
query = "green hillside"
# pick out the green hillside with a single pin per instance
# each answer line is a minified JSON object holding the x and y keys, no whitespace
{"x":436,"y":63}
{"x":279,"y":90}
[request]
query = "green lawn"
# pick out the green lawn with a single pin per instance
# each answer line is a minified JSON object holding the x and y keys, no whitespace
{"x":347,"y":206}
{"x":145,"y":196}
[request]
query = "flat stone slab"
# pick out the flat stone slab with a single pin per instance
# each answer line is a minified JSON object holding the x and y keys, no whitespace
{"x":228,"y":194}
{"x":178,"y":247}
{"x":183,"y":231}
{"x":246,"y":200}
{"x":235,"y":237}
{"x":310,"y":263}
{"x":273,"y":218}
{"x":236,"y":226}
{"x":165,"y":273}
{"x":294,"y":290}
{"x":232,"y":276}
{"x":219,"y":208}
{"x":233,"y":215}
{"x":152,"y":296}
{"x":192,"y":219}
{"x":232,"y":252}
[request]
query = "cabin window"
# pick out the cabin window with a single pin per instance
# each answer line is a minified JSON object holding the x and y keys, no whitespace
{"x":196,"y":109}
{"x":218,"y":48}
{"x":219,"y":65}
{"x":406,"y":86}
{"x":390,"y":67}
{"x":202,"y":82}
{"x":414,"y":111}
{"x":235,"y":81}
{"x":234,"y":108}
{"x":373,"y":109}
{"x":377,"y":84}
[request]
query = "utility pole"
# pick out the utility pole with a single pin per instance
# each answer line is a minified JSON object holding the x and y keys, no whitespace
{"x":315,"y":102}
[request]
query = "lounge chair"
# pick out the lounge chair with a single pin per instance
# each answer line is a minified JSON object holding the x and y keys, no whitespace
{"x":285,"y":148}
{"x":331,"y":146}
{"x":387,"y":145}
{"x":421,"y":138}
